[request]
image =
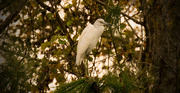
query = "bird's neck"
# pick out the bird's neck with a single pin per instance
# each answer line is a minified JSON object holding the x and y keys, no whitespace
{"x":99,"y":30}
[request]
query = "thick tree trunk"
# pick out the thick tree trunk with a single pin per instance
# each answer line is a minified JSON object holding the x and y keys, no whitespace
{"x":163,"y":32}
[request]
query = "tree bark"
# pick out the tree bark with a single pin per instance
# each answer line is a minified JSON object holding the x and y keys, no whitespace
{"x":163,"y":31}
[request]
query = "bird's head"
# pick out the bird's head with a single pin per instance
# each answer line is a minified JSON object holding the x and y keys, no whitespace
{"x":100,"y":22}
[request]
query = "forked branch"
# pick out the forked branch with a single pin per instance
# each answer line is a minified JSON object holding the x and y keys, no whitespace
{"x":129,"y":17}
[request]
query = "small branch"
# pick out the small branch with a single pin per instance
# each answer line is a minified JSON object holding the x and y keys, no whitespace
{"x":52,"y":10}
{"x":131,"y":28}
{"x":140,"y":54}
{"x":114,"y":45}
{"x":70,"y":72}
{"x":101,"y":3}
{"x":141,"y":23}
{"x":21,"y":59}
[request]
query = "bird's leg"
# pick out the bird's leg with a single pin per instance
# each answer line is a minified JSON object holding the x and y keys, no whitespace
{"x":86,"y":67}
{"x":94,"y":68}
{"x":86,"y":63}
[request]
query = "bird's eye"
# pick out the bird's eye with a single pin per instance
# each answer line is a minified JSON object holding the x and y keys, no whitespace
{"x":101,"y":21}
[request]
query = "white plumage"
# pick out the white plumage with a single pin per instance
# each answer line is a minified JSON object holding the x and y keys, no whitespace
{"x":89,"y":38}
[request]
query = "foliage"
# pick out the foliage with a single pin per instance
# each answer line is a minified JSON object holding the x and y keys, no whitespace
{"x":108,"y":83}
{"x":15,"y":76}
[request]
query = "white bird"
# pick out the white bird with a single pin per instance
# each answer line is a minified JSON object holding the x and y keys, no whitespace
{"x":89,"y":38}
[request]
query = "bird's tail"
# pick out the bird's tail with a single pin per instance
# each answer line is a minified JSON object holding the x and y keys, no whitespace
{"x":78,"y":60}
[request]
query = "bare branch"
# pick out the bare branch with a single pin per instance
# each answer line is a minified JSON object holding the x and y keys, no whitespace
{"x":100,"y":2}
{"x":131,"y":28}
{"x":22,"y":59}
{"x":71,"y":72}
{"x":141,"y":23}
{"x":52,"y":10}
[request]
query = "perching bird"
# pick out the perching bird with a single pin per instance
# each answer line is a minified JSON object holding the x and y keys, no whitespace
{"x":89,"y":39}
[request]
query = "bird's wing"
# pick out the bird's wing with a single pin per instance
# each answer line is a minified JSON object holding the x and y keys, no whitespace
{"x":85,"y":39}
{"x":84,"y":43}
{"x":87,"y":29}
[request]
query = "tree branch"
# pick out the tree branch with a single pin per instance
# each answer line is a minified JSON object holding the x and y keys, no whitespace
{"x":141,"y":23}
{"x":14,"y":13}
{"x":102,"y":3}
{"x":131,"y":28}
{"x":22,"y":59}
{"x":71,"y":72}
{"x":52,"y":10}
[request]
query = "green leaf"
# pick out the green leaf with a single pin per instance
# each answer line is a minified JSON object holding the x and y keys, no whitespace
{"x":90,"y":58}
{"x":54,"y":38}
{"x":60,"y":78}
{"x":61,"y":41}
{"x":57,"y":52}
{"x":64,"y":37}
{"x":69,"y":23}
{"x":44,"y":45}
{"x":58,"y":28}
{"x":69,"y":6}
{"x":49,"y":15}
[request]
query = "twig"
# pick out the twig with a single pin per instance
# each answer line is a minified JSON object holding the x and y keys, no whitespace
{"x":21,"y":59}
{"x":70,"y":72}
{"x":132,"y":28}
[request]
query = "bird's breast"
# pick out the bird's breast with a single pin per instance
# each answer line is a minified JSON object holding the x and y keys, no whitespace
{"x":98,"y":31}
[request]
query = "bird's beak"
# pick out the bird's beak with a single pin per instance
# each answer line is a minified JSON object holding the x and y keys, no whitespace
{"x":105,"y":23}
